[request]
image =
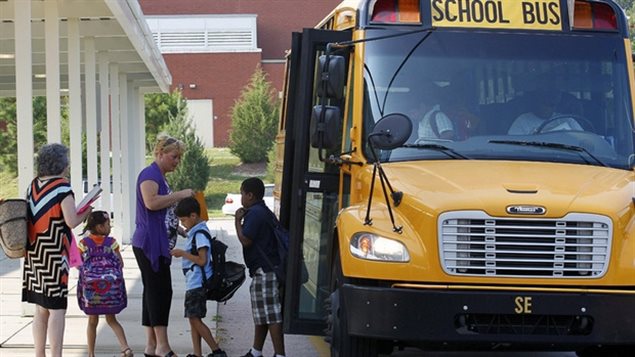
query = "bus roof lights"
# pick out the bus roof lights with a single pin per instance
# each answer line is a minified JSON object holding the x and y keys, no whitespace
{"x":594,"y":16}
{"x":396,"y":11}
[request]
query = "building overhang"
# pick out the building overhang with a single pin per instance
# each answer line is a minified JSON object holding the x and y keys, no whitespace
{"x":120,"y":33}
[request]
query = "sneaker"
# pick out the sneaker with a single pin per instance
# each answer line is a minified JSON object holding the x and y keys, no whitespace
{"x":248,"y":354}
{"x":220,"y":353}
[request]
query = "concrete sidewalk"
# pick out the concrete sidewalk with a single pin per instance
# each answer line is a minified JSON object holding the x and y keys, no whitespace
{"x":233,"y":327}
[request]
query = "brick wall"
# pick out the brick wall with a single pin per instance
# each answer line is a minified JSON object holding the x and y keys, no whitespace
{"x":222,"y":76}
{"x":218,"y":76}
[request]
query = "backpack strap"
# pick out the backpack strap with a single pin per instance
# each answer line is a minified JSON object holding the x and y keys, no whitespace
{"x":273,"y":222}
{"x":194,"y":250}
{"x":108,"y":242}
{"x":90,"y":243}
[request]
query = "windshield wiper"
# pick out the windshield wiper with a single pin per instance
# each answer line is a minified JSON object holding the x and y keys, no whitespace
{"x":577,"y":149}
{"x":444,"y":149}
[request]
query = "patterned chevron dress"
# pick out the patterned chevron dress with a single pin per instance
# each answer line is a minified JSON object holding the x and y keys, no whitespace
{"x":45,"y":276}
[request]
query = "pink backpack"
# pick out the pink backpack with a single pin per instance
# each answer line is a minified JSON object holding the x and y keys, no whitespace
{"x":101,"y":289}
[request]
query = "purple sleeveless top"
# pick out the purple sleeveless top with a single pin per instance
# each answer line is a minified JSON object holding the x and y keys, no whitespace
{"x":151,"y":231}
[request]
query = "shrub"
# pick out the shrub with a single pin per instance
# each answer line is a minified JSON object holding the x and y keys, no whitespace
{"x":193,"y":171}
{"x":271,"y":165}
{"x":254,"y":120}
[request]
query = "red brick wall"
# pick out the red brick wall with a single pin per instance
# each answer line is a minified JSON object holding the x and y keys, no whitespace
{"x":218,"y":76}
{"x":275,"y":74}
{"x":222,"y":76}
{"x":276,"y":18}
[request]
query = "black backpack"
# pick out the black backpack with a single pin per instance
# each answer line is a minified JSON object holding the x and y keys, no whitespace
{"x":282,"y":248}
{"x":227,"y":276}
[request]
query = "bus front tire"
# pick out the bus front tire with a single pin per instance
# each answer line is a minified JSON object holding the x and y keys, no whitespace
{"x":343,"y":344}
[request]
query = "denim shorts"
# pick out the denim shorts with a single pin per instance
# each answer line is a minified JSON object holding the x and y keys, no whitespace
{"x":195,"y":303}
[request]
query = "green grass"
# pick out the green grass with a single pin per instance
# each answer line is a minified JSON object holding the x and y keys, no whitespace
{"x":222,"y":179}
{"x":9,"y":186}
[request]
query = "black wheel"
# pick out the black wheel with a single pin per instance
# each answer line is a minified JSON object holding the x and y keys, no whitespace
{"x":343,"y":344}
{"x":582,"y":121}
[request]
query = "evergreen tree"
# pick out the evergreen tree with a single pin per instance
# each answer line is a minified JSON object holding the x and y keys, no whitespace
{"x":194,"y":170}
{"x":254,"y":120}
{"x":160,"y":107}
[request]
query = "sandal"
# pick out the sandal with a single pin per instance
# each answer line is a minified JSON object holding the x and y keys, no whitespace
{"x":127,"y":353}
{"x":170,"y":354}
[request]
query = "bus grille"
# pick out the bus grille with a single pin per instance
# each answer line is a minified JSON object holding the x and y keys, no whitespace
{"x":473,"y":243}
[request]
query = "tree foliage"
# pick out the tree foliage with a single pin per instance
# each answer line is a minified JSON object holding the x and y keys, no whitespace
{"x":160,"y":107}
{"x":629,"y":8}
{"x":9,"y":137}
{"x":625,"y":4}
{"x":254,"y":120}
{"x":194,"y":170}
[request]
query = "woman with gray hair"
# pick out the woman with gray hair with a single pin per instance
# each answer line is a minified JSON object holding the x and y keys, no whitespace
{"x":51,"y":216}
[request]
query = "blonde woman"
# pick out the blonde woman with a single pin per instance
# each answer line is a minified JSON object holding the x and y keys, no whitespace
{"x":154,"y":237}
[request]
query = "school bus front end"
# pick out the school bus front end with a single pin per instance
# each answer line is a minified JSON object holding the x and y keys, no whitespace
{"x":478,"y":188}
{"x":482,"y":260}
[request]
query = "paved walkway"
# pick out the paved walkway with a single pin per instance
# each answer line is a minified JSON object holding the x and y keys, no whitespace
{"x":231,"y":323}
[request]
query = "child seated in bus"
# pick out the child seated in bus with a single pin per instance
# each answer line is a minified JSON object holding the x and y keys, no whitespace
{"x":430,"y":122}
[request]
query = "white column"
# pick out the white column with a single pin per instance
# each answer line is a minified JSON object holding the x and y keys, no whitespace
{"x":140,"y":129}
{"x":75,"y":103}
{"x":91,"y":110}
{"x":52,"y":34}
{"x":126,"y":108}
{"x":116,"y":148}
{"x":24,"y":93}
{"x":104,"y":133}
{"x":135,"y":161}
{"x":24,"y":103}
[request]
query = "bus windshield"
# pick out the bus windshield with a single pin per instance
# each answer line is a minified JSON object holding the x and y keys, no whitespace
{"x":556,"y":97}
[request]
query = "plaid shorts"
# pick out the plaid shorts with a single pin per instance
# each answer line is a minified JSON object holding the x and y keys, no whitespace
{"x":195,"y":303}
{"x":266,"y":307}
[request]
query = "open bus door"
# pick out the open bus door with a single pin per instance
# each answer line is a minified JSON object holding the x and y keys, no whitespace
{"x":309,"y":187}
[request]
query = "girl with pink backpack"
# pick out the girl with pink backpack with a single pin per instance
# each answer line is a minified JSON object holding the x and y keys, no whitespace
{"x":101,"y":289}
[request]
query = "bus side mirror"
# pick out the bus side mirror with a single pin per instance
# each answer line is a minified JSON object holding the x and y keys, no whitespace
{"x":391,"y":132}
{"x":325,"y":127}
{"x":334,"y":75}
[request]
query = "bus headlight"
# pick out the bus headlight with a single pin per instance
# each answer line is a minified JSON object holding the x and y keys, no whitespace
{"x":373,"y":247}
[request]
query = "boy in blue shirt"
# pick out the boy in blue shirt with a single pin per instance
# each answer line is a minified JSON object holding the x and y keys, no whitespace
{"x":188,"y":212}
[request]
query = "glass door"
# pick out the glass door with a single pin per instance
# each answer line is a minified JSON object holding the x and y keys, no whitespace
{"x":309,"y":190}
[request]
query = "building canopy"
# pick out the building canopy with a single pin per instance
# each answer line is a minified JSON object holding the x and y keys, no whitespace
{"x":119,"y":30}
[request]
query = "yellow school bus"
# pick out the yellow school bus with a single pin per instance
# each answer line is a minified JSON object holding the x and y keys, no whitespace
{"x":459,"y":174}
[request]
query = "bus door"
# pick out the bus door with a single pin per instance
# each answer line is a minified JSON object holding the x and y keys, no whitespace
{"x":309,"y":189}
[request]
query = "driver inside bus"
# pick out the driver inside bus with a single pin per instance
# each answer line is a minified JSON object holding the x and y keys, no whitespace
{"x":432,"y":122}
{"x":543,"y":111}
